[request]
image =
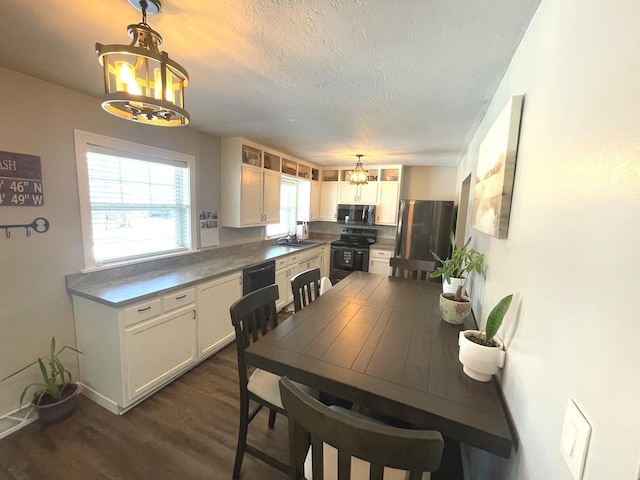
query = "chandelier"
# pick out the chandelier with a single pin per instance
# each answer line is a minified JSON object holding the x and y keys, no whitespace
{"x":358,"y":175}
{"x":141,"y":83}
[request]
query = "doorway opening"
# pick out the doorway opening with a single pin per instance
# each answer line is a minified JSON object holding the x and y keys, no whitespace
{"x":463,"y":211}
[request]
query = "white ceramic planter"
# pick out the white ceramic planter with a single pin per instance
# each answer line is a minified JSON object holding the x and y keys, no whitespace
{"x":452,"y":285}
{"x":480,"y":362}
{"x":454,"y":312}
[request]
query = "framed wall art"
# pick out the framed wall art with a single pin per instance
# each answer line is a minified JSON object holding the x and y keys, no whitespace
{"x":495,"y":172}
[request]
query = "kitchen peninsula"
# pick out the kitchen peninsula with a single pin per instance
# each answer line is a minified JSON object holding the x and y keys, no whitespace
{"x":140,"y":326}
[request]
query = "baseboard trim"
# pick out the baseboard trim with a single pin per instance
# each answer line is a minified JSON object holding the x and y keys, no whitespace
{"x":17,"y":419}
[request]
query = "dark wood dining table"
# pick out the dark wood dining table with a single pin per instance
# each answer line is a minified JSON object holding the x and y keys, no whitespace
{"x":381,"y":343}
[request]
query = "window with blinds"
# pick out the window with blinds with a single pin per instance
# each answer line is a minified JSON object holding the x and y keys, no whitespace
{"x":288,"y":202}
{"x":137,"y":204}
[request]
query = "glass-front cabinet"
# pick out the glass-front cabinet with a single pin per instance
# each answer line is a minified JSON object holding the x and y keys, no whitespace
{"x":251,"y":177}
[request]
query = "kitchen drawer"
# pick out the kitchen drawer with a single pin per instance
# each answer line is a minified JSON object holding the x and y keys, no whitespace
{"x":142,"y":311}
{"x":282,"y":263}
{"x":179,"y":299}
{"x":380,"y":253}
{"x":293,"y":259}
{"x":307,"y":254}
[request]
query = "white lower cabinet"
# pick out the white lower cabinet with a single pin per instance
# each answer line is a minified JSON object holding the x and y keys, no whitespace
{"x":326,"y":260}
{"x":158,"y":349}
{"x":129,"y":353}
{"x":289,"y":266}
{"x":283,"y":280}
{"x":214,"y":323}
{"x":379,"y":261}
{"x":286,"y":269}
{"x":310,"y":264}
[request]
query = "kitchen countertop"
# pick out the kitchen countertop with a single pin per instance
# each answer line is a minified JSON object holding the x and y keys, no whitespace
{"x":121,"y":286}
{"x":384,"y":244}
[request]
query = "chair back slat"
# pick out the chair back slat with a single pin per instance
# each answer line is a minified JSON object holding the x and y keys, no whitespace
{"x":381,"y":445}
{"x":413,"y":269}
{"x":250,"y":317}
{"x":306,"y":288}
{"x":317,"y":459}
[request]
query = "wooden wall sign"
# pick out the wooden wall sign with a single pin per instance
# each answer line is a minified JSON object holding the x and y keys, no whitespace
{"x":20,"y":180}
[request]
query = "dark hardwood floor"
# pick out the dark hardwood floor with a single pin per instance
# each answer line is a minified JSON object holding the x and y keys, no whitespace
{"x":186,"y":431}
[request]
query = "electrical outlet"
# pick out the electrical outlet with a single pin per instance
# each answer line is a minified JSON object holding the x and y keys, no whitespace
{"x":576,"y":433}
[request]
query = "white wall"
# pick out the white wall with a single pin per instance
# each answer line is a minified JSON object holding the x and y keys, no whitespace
{"x":39,"y":118}
{"x":572,"y":250}
{"x":429,"y":183}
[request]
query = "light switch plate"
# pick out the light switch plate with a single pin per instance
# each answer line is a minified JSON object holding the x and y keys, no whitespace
{"x":576,"y":433}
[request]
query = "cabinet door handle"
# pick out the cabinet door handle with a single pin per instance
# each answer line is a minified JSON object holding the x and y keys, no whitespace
{"x":194,"y":313}
{"x":144,"y":309}
{"x":181,"y":297}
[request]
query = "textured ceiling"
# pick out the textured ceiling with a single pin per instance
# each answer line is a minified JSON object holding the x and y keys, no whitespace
{"x":399,"y":81}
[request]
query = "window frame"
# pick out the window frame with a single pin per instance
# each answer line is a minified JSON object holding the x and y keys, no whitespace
{"x":83,"y":142}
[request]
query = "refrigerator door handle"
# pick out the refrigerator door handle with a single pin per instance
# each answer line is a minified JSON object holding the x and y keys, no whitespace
{"x":399,"y":229}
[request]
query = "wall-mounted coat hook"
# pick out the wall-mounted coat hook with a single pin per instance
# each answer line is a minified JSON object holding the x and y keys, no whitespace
{"x":39,"y":225}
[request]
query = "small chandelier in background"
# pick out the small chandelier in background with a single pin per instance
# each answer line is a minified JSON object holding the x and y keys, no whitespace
{"x":141,"y":83}
{"x":358,"y":174}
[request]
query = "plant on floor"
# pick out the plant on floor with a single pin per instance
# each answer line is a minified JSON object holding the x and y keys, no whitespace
{"x":57,"y":383}
{"x":462,"y":262}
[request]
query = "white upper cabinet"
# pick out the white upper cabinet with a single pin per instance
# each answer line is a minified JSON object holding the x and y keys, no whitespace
{"x":250,"y":184}
{"x":387,"y":209}
{"x":366,"y":194}
{"x":328,"y":200}
{"x":314,"y":206}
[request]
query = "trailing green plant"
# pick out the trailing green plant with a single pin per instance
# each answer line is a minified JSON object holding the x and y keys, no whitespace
{"x":494,"y":321}
{"x":462,"y":263}
{"x":55,"y":376}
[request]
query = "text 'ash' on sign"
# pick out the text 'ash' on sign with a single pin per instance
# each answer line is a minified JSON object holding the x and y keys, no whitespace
{"x":20,"y":180}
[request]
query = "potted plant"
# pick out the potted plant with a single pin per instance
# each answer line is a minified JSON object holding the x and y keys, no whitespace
{"x":481,"y":352}
{"x":55,"y":399}
{"x":455,"y":271}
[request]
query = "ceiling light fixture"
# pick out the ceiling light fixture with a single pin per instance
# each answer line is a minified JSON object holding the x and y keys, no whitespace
{"x":141,"y":83}
{"x":358,"y":174}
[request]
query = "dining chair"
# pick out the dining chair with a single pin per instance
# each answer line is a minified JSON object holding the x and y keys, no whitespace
{"x":325,"y":284}
{"x":250,"y":317}
{"x":346,"y":446}
{"x":409,"y":268}
{"x":306,"y":288}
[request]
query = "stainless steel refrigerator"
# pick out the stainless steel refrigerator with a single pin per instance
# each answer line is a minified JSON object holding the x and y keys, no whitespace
{"x":424,"y":226}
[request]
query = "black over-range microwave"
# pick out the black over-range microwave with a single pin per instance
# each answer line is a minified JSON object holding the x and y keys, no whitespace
{"x":356,"y":214}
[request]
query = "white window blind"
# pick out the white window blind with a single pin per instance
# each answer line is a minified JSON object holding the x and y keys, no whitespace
{"x":139,"y":206}
{"x":288,"y":202}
